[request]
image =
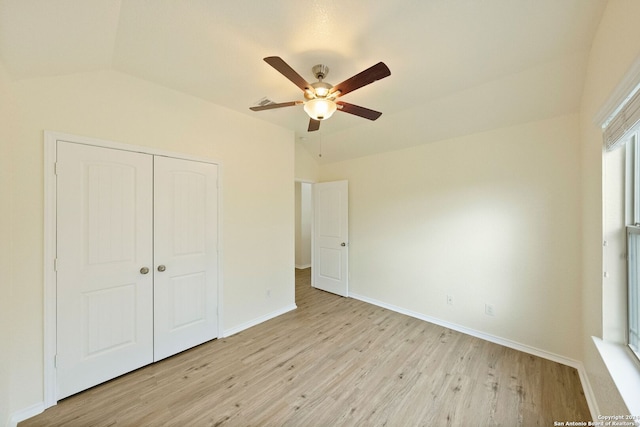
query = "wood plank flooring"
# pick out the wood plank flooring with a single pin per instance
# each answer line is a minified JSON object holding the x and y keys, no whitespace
{"x":334,"y":362}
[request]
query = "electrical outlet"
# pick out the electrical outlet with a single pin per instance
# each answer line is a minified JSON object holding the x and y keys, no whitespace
{"x":488,"y":310}
{"x":450,"y":299}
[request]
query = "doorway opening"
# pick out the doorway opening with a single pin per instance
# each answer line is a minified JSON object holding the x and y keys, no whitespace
{"x":303,"y":232}
{"x":303,"y":225}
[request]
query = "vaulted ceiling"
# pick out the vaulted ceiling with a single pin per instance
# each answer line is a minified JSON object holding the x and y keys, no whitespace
{"x":500,"y":61}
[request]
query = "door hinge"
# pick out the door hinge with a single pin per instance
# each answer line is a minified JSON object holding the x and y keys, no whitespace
{"x":55,"y":361}
{"x":55,"y":265}
{"x":55,"y":168}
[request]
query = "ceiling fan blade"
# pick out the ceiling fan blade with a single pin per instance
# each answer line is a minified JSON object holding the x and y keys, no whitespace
{"x":272,"y":106}
{"x":314,"y":125}
{"x":284,"y":69}
{"x":370,"y":75}
{"x":357,"y":110}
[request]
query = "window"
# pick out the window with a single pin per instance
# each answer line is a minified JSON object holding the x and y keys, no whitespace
{"x":622,"y":129}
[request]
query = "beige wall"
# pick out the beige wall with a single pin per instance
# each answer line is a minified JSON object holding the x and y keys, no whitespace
{"x":615,"y":48}
{"x":7,"y":115}
{"x":487,"y":218}
{"x":306,"y":166}
{"x":257,"y":191}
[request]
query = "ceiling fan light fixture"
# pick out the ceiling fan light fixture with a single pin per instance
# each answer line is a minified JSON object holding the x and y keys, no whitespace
{"x":320,"y":108}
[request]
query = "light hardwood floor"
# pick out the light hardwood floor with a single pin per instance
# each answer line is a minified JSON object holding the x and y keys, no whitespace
{"x":334,"y":362}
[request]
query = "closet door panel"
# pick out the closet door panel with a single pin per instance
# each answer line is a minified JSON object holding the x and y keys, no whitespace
{"x":104,"y":239}
{"x":185,"y":254}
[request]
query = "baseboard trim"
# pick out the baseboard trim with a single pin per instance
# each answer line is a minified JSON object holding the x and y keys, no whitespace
{"x":38,"y":408}
{"x":234,"y":330}
{"x":26,"y":413}
{"x":302,"y":266}
{"x":588,"y":392}
{"x":578,"y":365}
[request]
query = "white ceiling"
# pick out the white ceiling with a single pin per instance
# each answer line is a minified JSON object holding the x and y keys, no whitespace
{"x":501,"y":61}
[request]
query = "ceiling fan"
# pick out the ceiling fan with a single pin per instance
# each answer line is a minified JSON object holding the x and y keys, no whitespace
{"x":320,"y":97}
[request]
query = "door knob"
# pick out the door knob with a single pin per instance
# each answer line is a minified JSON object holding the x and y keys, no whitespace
{"x":144,"y":270}
{"x":161,"y":268}
{"x":343,"y":244}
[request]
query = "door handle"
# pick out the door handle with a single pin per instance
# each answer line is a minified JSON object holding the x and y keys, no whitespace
{"x":144,"y":270}
{"x":161,"y":268}
{"x":343,"y":244}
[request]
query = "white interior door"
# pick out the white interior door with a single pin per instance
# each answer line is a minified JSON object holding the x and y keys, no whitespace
{"x":331,"y":233}
{"x":104,"y":243}
{"x":186,"y":270}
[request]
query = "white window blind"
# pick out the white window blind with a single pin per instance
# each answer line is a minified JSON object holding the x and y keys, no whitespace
{"x":623,"y":121}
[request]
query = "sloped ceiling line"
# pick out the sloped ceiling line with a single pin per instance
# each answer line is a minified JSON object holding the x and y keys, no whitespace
{"x":440,"y":52}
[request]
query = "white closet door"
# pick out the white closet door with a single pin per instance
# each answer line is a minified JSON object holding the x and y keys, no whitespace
{"x":186,"y":270}
{"x":104,"y":239}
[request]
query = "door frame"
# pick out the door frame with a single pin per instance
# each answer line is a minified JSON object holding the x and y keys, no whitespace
{"x":313,"y":224}
{"x":50,"y":200}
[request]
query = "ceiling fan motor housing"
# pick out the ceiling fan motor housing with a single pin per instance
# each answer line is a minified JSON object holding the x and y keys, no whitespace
{"x":320,"y":90}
